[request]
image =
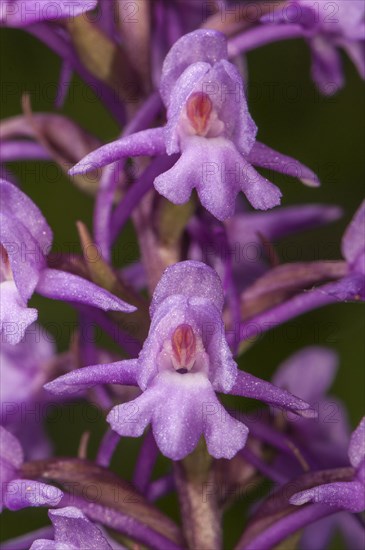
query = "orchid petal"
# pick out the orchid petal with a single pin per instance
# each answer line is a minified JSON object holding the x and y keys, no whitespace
{"x":351,"y":288}
{"x":147,"y":142}
{"x":357,"y":445}
{"x":15,"y":316}
{"x":308,"y":373}
{"x":281,"y":222}
{"x":74,"y":531}
{"x":60,"y":285}
{"x":353,"y":241}
{"x":248,"y":385}
{"x":356,"y":52}
{"x":25,"y":256}
{"x":20,"y":150}
{"x":11,"y":450}
{"x":44,"y":544}
{"x":201,"y":45}
{"x":20,"y":207}
{"x":189,"y":279}
{"x":327,"y":70}
{"x":341,"y":495}
{"x":265,"y":157}
{"x":21,"y":493}
{"x":121,"y":372}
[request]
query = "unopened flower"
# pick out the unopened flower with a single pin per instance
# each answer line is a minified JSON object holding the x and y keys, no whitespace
{"x":25,"y":240}
{"x":184,"y":361}
{"x":209,"y":125}
{"x":16,"y":492}
{"x":20,"y":13}
{"x":72,"y":530}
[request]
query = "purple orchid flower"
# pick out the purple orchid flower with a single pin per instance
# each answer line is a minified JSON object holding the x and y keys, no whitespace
{"x":20,"y":13}
{"x":17,"y":493}
{"x":25,"y":240}
{"x":74,"y":531}
{"x":343,"y":495}
{"x":209,"y":125}
{"x":184,"y":360}
{"x":348,"y":286}
{"x":327,"y":26}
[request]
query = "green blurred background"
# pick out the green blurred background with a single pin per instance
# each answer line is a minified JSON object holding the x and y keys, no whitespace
{"x":325,"y":133}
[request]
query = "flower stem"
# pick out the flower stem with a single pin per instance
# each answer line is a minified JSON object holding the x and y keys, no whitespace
{"x":201,"y":516}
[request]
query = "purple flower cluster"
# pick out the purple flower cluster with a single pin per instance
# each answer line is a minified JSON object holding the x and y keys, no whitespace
{"x":208,"y":278}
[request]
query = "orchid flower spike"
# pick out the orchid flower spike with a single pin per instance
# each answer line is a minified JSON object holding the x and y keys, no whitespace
{"x":25,"y":240}
{"x":184,"y":361}
{"x":210,"y":127}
